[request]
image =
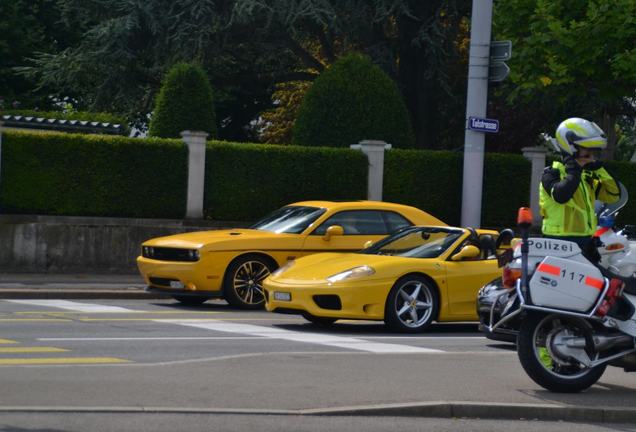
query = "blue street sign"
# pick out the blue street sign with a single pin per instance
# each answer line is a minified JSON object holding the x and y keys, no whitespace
{"x":483,"y":124}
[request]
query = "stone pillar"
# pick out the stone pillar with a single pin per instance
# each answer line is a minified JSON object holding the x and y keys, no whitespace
{"x":536,"y":155}
{"x":375,"y":153}
{"x":195,"y":140}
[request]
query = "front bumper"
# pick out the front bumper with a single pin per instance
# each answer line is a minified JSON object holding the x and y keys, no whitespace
{"x":353,"y":300}
{"x":193,"y":278}
{"x":492,"y":298}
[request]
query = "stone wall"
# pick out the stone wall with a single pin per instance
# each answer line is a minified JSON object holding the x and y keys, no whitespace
{"x":55,"y":244}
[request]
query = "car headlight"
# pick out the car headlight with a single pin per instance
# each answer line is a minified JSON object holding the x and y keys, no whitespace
{"x":283,"y":269}
{"x":193,"y":254}
{"x":352,"y":273}
{"x":147,"y":251}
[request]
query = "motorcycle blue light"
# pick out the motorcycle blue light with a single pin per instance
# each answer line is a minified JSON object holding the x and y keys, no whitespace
{"x":606,"y":221}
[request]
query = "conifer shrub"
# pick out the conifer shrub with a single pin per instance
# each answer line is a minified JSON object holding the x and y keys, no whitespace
{"x":184,"y":102}
{"x":353,"y":100}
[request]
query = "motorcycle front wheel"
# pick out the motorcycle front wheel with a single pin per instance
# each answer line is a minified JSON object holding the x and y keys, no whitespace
{"x":545,"y":364}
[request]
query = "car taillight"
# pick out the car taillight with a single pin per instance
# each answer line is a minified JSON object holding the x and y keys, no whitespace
{"x":613,"y":292}
{"x":510,"y":276}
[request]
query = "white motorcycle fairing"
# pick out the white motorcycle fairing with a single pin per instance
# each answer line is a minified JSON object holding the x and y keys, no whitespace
{"x":567,"y":284}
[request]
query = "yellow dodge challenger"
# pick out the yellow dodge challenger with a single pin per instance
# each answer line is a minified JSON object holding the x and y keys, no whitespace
{"x":409,"y":279}
{"x":194,"y":267}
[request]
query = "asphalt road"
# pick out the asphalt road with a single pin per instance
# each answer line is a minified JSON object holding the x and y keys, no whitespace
{"x":49,"y":422}
{"x":147,"y":359}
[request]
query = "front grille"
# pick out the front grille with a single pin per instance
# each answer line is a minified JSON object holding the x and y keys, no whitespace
{"x":162,"y":281}
{"x":331,"y":302}
{"x":170,"y":254}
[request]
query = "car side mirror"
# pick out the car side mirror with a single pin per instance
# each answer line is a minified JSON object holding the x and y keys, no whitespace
{"x":368,"y":244}
{"x":468,"y":251}
{"x":333,"y":230}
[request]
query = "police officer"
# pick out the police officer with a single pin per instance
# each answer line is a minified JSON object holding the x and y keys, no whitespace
{"x":569,"y":188}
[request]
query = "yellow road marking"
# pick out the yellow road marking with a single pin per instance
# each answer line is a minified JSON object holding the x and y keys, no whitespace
{"x":35,"y":320}
{"x":186,"y":319}
{"x":31,"y":349}
{"x":259,"y":319}
{"x":69,"y":320}
{"x":61,"y":360}
{"x":7,"y":341}
{"x":132,"y":319}
{"x":119,"y":313}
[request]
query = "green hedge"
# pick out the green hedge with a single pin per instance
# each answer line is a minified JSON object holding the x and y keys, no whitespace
{"x":92,"y":175}
{"x":97,"y":175}
{"x":429,"y":180}
{"x":432,"y":181}
{"x":246,"y":181}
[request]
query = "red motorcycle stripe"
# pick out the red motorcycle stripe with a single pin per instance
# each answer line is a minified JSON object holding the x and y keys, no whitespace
{"x":593,"y":282}
{"x":550,"y":269}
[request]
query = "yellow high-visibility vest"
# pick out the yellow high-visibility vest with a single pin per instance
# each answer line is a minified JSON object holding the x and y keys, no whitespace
{"x":576,"y":217}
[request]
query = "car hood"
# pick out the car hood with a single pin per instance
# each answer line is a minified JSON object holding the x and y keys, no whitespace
{"x":229,"y":239}
{"x":320,"y":266}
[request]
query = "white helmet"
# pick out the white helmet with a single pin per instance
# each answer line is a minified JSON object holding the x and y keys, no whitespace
{"x":577,"y":132}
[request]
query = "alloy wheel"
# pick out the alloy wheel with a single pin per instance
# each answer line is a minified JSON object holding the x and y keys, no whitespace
{"x":414,"y":304}
{"x":248,"y":282}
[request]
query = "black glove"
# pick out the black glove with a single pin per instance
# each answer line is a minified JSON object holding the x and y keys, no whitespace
{"x":593,"y":166}
{"x":571,"y":165}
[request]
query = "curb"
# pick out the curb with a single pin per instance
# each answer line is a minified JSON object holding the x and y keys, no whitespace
{"x":79,"y":294}
{"x":426,"y":409}
{"x":500,"y":411}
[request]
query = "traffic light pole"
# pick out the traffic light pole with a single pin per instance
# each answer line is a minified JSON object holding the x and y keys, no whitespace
{"x":476,"y":102}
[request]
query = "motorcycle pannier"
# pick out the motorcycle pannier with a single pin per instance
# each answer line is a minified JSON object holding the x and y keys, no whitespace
{"x":565,"y":284}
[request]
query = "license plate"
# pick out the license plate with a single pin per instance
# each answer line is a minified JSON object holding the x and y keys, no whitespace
{"x":176,"y":285}
{"x":282,"y":296}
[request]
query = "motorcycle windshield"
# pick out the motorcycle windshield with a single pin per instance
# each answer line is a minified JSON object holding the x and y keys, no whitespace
{"x":605,"y":210}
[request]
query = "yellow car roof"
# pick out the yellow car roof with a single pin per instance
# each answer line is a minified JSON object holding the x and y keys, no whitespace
{"x":416,"y":215}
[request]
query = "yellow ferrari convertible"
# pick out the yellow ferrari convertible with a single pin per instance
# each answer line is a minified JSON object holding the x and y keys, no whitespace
{"x":232,"y":264}
{"x":409,"y":279}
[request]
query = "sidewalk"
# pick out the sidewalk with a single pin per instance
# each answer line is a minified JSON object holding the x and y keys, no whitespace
{"x":79,"y":286}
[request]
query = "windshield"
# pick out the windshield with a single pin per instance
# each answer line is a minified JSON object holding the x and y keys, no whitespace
{"x":611,"y":209}
{"x":289,"y":220}
{"x":417,"y":242}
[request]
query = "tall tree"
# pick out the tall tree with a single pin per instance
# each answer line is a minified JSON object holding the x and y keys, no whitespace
{"x":578,"y":56}
{"x":127,"y":47}
{"x":248,"y":47}
{"x":27,"y":27}
{"x":421,"y":44}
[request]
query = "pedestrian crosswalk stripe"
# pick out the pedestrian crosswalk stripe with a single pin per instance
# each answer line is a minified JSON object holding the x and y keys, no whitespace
{"x":307,"y":337}
{"x":11,"y":350}
{"x":60,"y":361}
{"x":75,"y":306}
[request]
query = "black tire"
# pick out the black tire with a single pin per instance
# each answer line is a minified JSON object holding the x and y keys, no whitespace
{"x":243,"y":284}
{"x":191,"y":300}
{"x":319,"y":321}
{"x":549,"y":377}
{"x":398,"y":305}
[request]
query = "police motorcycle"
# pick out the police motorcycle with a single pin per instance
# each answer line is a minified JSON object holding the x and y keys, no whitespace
{"x":576,"y":318}
{"x":617,"y":250}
